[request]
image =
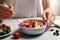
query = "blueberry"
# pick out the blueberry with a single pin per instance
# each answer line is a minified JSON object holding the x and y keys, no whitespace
{"x":57,"y":31}
{"x":4,"y":32}
{"x":7,"y":31}
{"x":54,"y":33}
{"x":0,"y":33}
{"x":57,"y":34}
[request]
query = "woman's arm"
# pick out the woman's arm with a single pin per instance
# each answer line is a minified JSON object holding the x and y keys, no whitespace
{"x":46,"y":4}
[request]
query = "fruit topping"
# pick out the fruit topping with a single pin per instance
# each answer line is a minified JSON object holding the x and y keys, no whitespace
{"x":32,"y":23}
{"x":4,"y":29}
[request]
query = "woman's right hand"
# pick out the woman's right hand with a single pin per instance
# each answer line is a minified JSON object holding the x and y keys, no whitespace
{"x":48,"y":16}
{"x":6,"y":12}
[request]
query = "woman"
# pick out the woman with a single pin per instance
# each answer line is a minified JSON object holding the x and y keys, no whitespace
{"x":6,"y":12}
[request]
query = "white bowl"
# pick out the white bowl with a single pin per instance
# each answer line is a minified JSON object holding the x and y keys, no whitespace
{"x":33,"y":31}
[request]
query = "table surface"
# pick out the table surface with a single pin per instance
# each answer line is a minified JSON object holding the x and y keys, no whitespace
{"x":47,"y":35}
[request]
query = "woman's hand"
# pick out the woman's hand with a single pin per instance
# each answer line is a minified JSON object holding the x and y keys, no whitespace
{"x":6,"y":12}
{"x":48,"y":16}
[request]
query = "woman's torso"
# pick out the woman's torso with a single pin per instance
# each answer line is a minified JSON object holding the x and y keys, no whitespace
{"x":27,"y":8}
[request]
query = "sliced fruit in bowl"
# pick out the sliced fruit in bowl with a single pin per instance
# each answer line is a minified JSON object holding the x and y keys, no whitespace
{"x":32,"y":23}
{"x":5,"y":30}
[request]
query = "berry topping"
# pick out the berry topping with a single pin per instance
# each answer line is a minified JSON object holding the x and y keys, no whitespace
{"x":32,"y":23}
{"x":54,"y":33}
{"x":57,"y":31}
{"x":57,"y":34}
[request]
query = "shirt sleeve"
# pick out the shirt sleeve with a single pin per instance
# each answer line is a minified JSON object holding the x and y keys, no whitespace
{"x":7,"y":1}
{"x":1,"y":1}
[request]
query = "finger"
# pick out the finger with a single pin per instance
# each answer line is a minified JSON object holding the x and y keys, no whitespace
{"x":3,"y":18}
{"x":3,"y":15}
{"x":50,"y":14}
{"x":44,"y":17}
{"x":6,"y":9}
{"x":52,"y":19}
{"x":6,"y":13}
{"x":10,"y":6}
{"x":47,"y":15}
{"x":47,"y":22}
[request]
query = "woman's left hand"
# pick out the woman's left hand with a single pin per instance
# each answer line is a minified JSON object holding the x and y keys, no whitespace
{"x":48,"y":16}
{"x":6,"y":12}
